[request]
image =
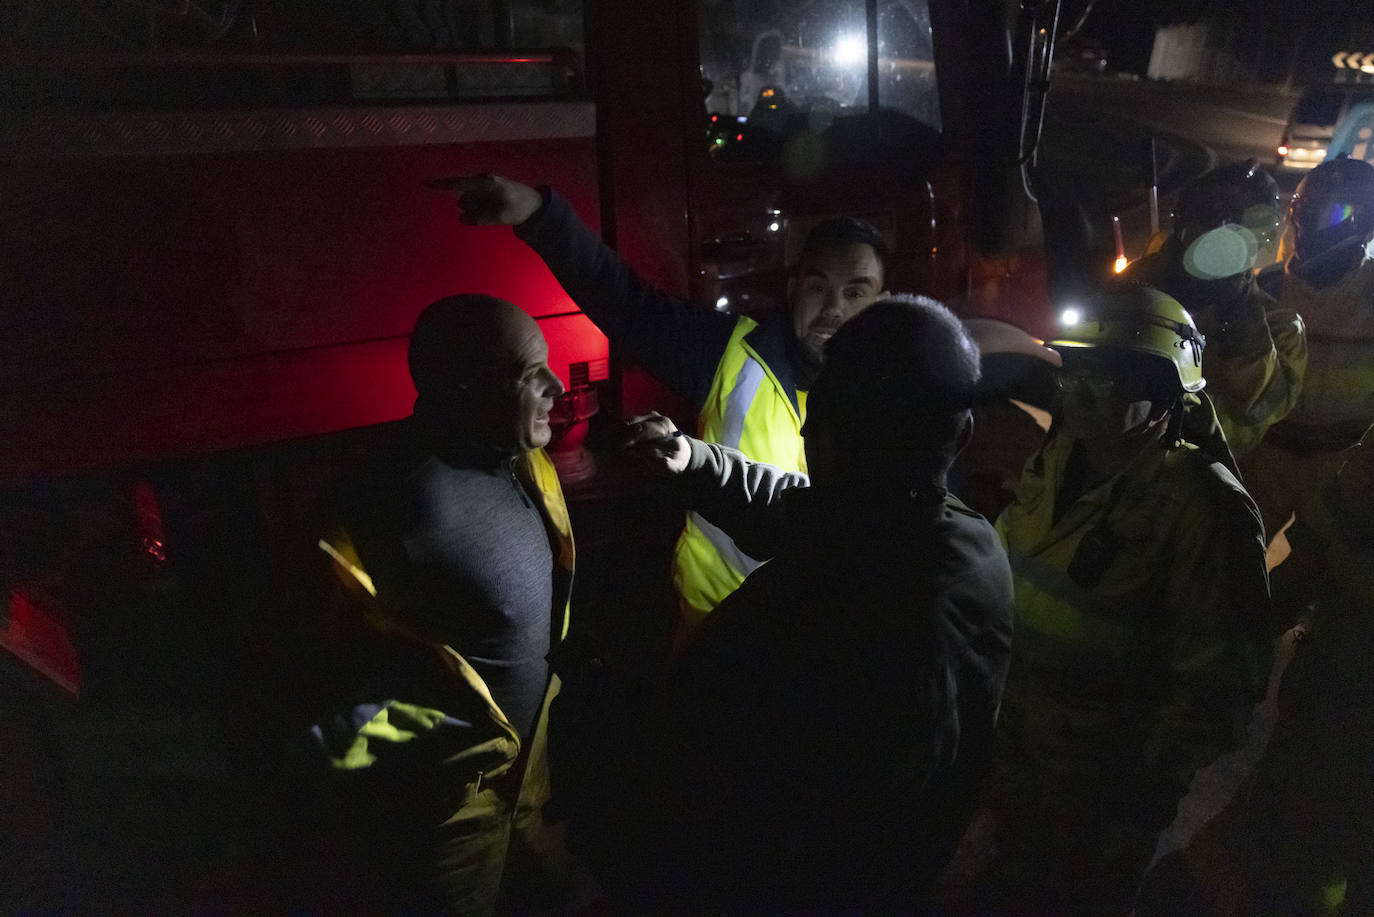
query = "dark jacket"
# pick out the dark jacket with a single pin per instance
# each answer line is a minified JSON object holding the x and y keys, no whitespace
{"x":829,"y":725}
{"x":679,"y":343}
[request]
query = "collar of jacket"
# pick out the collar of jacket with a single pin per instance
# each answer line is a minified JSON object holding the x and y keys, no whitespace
{"x":1331,"y":265}
{"x":824,"y":513}
{"x":769,"y":342}
{"x":455,"y":449}
{"x":1040,"y":490}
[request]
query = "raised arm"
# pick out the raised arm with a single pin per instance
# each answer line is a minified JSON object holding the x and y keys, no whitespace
{"x":741,"y":497}
{"x":1255,"y":370}
{"x":678,"y":343}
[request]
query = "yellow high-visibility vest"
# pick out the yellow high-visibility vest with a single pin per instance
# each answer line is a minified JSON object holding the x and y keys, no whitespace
{"x":750,"y":410}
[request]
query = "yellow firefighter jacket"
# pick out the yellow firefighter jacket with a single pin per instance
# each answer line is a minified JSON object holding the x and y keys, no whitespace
{"x":1141,"y":626}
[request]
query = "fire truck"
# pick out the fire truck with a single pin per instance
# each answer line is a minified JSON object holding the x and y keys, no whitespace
{"x":217,"y":238}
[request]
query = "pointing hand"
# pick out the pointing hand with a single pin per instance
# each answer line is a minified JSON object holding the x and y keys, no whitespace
{"x":656,"y":443}
{"x":490,"y":200}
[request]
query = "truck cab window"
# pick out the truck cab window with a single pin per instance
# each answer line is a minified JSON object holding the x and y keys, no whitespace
{"x":773,"y":70}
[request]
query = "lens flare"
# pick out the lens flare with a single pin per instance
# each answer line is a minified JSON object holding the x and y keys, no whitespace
{"x":850,"y":50}
{"x":1337,"y":214}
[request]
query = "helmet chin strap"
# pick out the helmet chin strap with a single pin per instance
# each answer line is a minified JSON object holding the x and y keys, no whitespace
{"x":1174,"y":433}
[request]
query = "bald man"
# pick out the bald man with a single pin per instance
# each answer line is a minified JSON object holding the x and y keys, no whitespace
{"x":451,"y":546}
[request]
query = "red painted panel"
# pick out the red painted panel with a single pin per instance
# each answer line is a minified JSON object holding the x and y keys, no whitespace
{"x":37,"y":637}
{"x":156,"y":306}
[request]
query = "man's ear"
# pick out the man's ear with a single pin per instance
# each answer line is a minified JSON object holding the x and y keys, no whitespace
{"x":454,"y":399}
{"x":965,"y":434}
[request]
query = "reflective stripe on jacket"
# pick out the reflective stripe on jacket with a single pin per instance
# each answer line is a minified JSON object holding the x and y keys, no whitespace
{"x":452,"y":719}
{"x":1142,"y":617}
{"x":750,"y":410}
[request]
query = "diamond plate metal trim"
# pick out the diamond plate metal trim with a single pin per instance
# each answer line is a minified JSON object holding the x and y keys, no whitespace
{"x":29,"y":135}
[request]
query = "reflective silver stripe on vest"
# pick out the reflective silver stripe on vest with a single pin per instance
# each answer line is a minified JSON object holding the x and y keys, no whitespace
{"x":729,"y":552}
{"x":737,"y":404}
{"x":751,"y":376}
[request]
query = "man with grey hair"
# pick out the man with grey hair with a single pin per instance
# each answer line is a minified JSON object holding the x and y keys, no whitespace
{"x":828,"y":727}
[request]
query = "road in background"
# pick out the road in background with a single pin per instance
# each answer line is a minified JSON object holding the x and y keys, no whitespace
{"x":1098,"y":131}
{"x":1234,"y":123}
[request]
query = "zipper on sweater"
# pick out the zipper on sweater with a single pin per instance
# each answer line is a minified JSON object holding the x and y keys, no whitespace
{"x":519,"y":488}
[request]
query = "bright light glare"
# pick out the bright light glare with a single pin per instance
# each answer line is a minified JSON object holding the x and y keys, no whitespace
{"x":1071,"y":316}
{"x":1283,"y":150}
{"x":850,"y":50}
{"x":1121,"y":262}
{"x":722,"y":302}
{"x":773,"y":227}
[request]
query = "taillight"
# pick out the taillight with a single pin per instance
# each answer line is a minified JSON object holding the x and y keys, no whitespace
{"x":148,"y":522}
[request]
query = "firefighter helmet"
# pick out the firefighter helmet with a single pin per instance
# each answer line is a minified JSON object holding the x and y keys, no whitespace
{"x":1140,"y":319}
{"x":1240,"y":194}
{"x":1333,"y":202}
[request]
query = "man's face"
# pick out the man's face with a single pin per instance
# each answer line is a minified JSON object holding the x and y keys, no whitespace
{"x":517,"y":392}
{"x":832,"y":285}
{"x":536,"y":387}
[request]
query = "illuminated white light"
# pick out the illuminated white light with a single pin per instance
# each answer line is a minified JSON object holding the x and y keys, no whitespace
{"x":1071,"y":316}
{"x":1121,"y":262}
{"x":850,"y":50}
{"x":741,"y":118}
{"x":722,"y":302}
{"x":773,"y":227}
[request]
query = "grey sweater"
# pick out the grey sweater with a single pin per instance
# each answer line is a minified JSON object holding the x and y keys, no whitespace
{"x":456,"y":546}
